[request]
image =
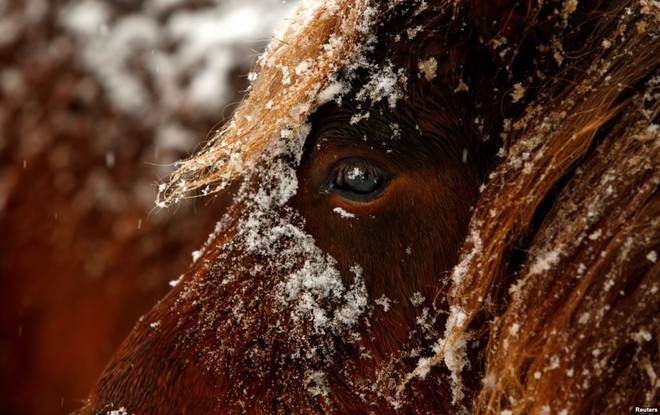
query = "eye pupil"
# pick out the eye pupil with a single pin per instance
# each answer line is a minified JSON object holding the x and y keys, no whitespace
{"x":359,"y":179}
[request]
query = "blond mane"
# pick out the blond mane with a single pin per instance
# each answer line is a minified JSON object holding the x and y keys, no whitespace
{"x":291,"y":79}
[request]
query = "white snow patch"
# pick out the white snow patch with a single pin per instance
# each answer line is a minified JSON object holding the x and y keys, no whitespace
{"x":176,"y":282}
{"x":356,"y":118}
{"x":513,"y":330}
{"x":641,"y":336}
{"x":317,"y":383}
{"x":461,"y":268}
{"x":546,"y":261}
{"x":332,"y":92}
{"x":384,"y":302}
{"x":584,"y":318}
{"x":197,"y":254}
{"x":317,"y":281}
{"x":652,"y":256}
{"x":383,"y":84}
{"x":417,"y":299}
{"x":344,"y":214}
{"x":428,"y":68}
{"x":490,"y":380}
{"x":423,"y":367}
{"x":454,"y":354}
{"x":85,"y":18}
{"x":412,"y":32}
{"x":595,"y":235}
{"x":518,"y":92}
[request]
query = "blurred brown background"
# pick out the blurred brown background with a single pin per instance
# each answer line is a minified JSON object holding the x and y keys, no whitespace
{"x":97,"y":99}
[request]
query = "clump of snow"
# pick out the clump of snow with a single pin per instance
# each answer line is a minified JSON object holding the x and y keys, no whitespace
{"x":197,"y":254}
{"x":176,"y":282}
{"x":332,"y":91}
{"x":384,"y":302}
{"x":460,"y":269}
{"x":584,"y":318}
{"x":641,"y":336}
{"x":86,"y":18}
{"x":344,"y":214}
{"x":546,"y":261}
{"x":595,"y":235}
{"x":356,"y":118}
{"x":120,"y":411}
{"x":428,"y":68}
{"x":462,"y":86}
{"x":417,"y":299}
{"x":385,"y":84}
{"x":652,"y":256}
{"x":413,"y":31}
{"x":317,"y":383}
{"x":490,"y":380}
{"x":569,"y":7}
{"x":518,"y":92}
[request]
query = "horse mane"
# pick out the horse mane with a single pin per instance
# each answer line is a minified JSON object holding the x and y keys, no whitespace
{"x":559,"y":271}
{"x":562,"y":247}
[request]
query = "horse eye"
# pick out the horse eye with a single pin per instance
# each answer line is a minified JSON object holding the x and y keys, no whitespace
{"x":357,"y":180}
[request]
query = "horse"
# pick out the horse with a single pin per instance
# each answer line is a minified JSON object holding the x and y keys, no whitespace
{"x":442,"y":207}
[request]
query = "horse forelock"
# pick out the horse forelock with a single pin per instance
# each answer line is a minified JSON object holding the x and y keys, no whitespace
{"x":287,"y":86}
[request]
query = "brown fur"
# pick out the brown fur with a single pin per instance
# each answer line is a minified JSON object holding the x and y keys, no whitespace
{"x":553,"y":299}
